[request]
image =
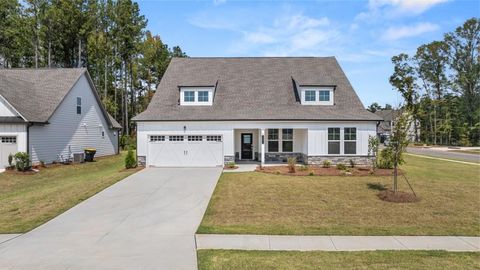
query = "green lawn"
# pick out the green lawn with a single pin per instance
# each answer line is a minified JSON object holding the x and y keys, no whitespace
{"x":259,"y":203}
{"x":264,"y":260}
{"x":27,"y":201}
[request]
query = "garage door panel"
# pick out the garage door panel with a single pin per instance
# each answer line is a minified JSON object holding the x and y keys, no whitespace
{"x":198,"y":153}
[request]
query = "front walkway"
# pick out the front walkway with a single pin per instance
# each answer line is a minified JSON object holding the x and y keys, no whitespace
{"x":146,"y":221}
{"x":336,"y":243}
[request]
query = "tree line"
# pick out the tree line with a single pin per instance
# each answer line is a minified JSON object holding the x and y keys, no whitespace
{"x":108,"y":37}
{"x":440,"y":86}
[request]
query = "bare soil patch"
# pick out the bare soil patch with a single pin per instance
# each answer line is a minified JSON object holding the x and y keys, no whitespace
{"x":321,"y":171}
{"x":399,"y":197}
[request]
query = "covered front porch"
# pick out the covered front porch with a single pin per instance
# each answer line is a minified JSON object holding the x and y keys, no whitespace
{"x":272,"y":145}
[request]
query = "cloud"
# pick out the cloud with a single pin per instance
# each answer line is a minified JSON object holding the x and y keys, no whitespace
{"x":396,"y":33}
{"x":295,"y":34}
{"x":378,"y":9}
{"x":406,"y":6}
{"x":218,"y":2}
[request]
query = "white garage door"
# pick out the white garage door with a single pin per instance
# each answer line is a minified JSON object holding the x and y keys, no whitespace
{"x":8,"y":145}
{"x":185,"y":151}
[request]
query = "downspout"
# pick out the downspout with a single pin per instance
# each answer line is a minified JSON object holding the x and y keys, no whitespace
{"x":28,"y":138}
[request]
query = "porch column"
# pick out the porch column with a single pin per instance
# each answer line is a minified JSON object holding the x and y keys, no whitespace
{"x":262,"y":146}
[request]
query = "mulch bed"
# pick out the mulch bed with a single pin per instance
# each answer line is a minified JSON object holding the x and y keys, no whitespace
{"x":321,"y":171}
{"x":230,"y":168}
{"x":29,"y":172}
{"x":399,"y":197}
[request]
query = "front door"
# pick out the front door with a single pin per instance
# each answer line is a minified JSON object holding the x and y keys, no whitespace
{"x":247,"y":146}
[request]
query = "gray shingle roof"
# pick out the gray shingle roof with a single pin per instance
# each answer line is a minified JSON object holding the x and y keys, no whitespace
{"x":255,"y":88}
{"x":36,"y":93}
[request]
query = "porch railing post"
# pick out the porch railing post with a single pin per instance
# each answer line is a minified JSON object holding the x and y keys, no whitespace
{"x":262,"y":148}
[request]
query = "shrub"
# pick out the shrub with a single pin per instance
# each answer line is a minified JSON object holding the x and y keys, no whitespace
{"x":311,"y":174}
{"x":304,"y":168}
{"x":291,"y":164}
{"x":385,"y":160}
{"x":231,"y":165}
{"x":352,"y":163}
{"x":327,"y":163}
{"x":22,"y":161}
{"x":10,"y":160}
{"x":130,"y":161}
{"x":341,"y":166}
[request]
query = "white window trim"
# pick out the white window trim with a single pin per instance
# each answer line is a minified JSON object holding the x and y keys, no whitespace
{"x":280,"y":140}
{"x":340,"y":141}
{"x":196,"y":102}
{"x":356,"y":141}
{"x":317,"y":95}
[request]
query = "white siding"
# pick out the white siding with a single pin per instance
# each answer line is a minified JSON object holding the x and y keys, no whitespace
{"x":317,"y":137}
{"x":18,"y":130}
{"x":5,"y":108}
{"x":69,"y":130}
{"x":310,"y":137}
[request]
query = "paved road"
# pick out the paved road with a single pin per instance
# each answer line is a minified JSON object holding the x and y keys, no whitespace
{"x":146,"y":221}
{"x":443,"y":154}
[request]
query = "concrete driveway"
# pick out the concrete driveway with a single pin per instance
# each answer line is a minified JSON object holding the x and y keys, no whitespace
{"x":146,"y":221}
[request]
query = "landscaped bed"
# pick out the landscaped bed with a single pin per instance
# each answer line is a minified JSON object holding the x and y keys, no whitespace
{"x":322,"y":171}
{"x":264,"y":203}
{"x":233,"y":259}
{"x":27,"y":200}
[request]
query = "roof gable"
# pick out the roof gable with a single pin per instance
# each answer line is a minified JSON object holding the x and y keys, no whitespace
{"x":37,"y":93}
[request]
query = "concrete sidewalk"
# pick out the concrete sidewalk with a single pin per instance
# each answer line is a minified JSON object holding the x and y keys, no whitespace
{"x":336,"y":243}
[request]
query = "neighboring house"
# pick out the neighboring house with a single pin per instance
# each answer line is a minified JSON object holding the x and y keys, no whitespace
{"x":210,"y":111}
{"x":384,"y":130}
{"x":51,"y":114}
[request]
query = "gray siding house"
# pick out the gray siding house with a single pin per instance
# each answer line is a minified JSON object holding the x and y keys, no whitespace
{"x":52,"y":114}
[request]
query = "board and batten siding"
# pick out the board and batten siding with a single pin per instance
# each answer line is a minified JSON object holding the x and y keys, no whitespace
{"x":309,"y":137}
{"x":17,"y":130}
{"x":69,"y":132}
{"x":5,"y":108}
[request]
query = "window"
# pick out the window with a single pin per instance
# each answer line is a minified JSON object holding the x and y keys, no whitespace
{"x":214,"y":138}
{"x":287,"y":140}
{"x":324,"y":95}
{"x":157,"y":138}
{"x":189,"y":96}
{"x":176,"y":138}
{"x":350,"y":141}
{"x":273,"y":140}
{"x":310,"y":95}
{"x":203,"y":96}
{"x":9,"y":139}
{"x":333,"y":141}
{"x":79,"y":105}
{"x":195,"y":138}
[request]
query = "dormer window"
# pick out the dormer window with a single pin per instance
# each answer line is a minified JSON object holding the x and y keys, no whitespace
{"x":189,"y":96}
{"x":317,"y":95}
{"x":196,"y":96}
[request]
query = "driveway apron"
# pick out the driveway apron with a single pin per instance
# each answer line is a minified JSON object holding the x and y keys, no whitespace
{"x":146,"y":221}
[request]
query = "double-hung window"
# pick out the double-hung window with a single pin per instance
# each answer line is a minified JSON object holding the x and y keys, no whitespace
{"x":273,"y":140}
{"x":189,"y":96}
{"x":334,"y":141}
{"x":350,"y":141}
{"x":287,"y":140}
{"x":79,"y":105}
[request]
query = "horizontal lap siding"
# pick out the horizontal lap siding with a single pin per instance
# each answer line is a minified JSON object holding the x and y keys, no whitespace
{"x":67,"y":129}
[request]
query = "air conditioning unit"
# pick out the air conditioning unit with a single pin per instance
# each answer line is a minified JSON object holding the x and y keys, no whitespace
{"x":78,"y":157}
